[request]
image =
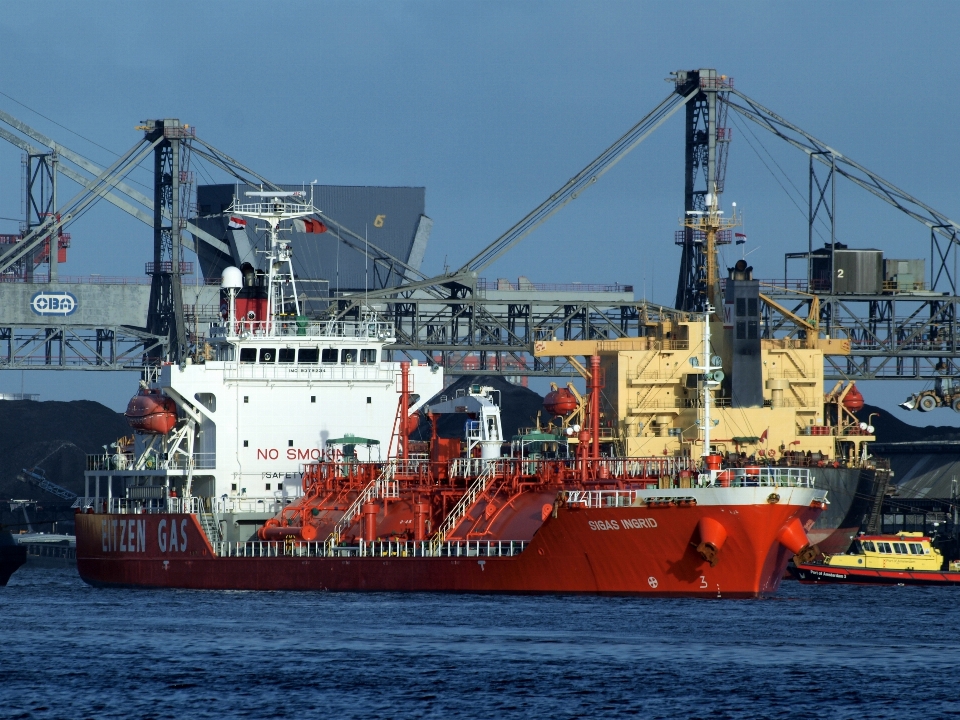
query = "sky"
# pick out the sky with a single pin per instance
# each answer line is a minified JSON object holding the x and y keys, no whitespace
{"x":492,"y":106}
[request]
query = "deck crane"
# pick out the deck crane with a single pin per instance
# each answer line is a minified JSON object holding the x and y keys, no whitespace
{"x":465,"y":276}
{"x":37,"y":476}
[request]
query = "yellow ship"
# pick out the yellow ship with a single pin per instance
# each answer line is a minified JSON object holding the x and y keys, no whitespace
{"x":769,"y":406}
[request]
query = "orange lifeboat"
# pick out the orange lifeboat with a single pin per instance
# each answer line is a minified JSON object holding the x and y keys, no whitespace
{"x":560,"y":402}
{"x":853,"y":400}
{"x":151,"y":412}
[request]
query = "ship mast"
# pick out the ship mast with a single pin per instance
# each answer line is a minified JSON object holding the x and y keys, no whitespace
{"x":708,"y":225}
{"x":712,"y":377}
{"x":273,"y":208}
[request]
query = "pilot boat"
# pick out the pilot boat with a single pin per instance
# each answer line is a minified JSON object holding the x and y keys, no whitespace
{"x":907,"y":558}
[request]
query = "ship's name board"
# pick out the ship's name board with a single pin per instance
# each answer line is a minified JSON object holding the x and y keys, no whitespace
{"x":130,"y":535}
{"x":46,"y":302}
{"x":623,"y":524}
{"x":123,"y":535}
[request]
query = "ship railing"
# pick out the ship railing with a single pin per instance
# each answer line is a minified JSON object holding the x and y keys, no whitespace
{"x":375,"y":549}
{"x":119,"y":462}
{"x":301,"y":371}
{"x":489,"y":471}
{"x":763,"y":476}
{"x":620,"y":468}
{"x":382,"y":483}
{"x":339,"y":329}
{"x":227,"y":505}
{"x":601,"y":498}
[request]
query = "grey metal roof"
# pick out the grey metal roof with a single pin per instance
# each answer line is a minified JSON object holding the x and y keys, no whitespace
{"x":391,"y":218}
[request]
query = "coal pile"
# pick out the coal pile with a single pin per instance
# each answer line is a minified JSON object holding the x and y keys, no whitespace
{"x":30,"y":431}
{"x":518,"y":407}
{"x":891,"y":429}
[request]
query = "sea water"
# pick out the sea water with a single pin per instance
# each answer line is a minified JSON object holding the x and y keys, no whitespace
{"x":68,"y":650}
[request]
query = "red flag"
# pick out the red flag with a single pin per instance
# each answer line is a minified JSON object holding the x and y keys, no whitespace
{"x":237,"y":223}
{"x":763,"y":436}
{"x":309,"y":226}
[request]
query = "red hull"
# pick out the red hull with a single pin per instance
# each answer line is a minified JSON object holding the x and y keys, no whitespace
{"x":578,"y":551}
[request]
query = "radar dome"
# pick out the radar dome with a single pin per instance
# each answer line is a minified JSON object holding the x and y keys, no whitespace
{"x":231,"y":278}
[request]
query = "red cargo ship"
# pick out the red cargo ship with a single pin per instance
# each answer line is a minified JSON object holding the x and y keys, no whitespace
{"x":460,"y":517}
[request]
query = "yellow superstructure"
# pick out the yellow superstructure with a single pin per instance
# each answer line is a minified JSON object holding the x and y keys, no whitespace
{"x":651,"y":395}
{"x":904,"y":551}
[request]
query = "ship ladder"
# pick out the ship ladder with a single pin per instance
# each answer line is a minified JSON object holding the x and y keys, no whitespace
{"x":460,"y":509}
{"x":382,"y":486}
{"x":210,"y":526}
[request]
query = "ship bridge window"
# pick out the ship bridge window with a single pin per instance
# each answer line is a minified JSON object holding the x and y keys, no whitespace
{"x":248,"y":355}
{"x":868,"y":546}
{"x":329,"y":356}
{"x":368,"y":357}
{"x":900,"y":548}
{"x":348,"y":355}
{"x":308,"y":355}
{"x":268,"y":355}
{"x":915,"y":548}
{"x":286,"y":355}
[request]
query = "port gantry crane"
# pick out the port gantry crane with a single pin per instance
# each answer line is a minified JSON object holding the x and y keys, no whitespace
{"x":891,"y":334}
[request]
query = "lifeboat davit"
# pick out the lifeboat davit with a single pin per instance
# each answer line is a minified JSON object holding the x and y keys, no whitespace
{"x":560,"y":402}
{"x":151,"y":412}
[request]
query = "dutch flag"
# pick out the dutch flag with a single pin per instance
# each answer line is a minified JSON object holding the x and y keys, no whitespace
{"x":237,"y":223}
{"x":741,"y":238}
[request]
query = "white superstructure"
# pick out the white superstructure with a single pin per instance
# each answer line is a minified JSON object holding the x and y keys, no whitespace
{"x":272,"y":388}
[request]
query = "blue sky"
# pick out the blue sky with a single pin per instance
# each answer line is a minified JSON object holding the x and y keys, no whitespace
{"x":492,"y":106}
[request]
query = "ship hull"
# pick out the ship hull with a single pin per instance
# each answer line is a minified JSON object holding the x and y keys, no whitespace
{"x":579,"y":551}
{"x":11,"y":558}
{"x":822,"y":574}
{"x":850,"y":492}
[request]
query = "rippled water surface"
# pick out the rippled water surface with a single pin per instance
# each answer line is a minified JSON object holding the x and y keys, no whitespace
{"x":71,"y":651}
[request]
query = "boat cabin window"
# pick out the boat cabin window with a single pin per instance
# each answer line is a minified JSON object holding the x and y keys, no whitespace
{"x":900,"y":548}
{"x":329,"y":355}
{"x":368,"y":357}
{"x":308,"y":355}
{"x":268,"y":355}
{"x":915,"y":548}
{"x":884,"y":547}
{"x":348,"y":355}
{"x":248,"y":355}
{"x":286,"y":355}
{"x":867,"y":545}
